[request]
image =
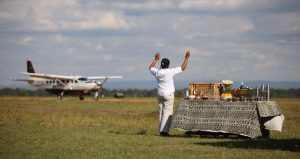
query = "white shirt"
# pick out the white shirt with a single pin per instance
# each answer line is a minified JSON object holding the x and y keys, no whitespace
{"x":164,"y":78}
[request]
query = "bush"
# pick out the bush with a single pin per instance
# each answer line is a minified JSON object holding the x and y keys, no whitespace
{"x":275,"y":93}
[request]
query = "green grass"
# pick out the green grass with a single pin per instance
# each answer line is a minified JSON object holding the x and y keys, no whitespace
{"x":123,"y":128}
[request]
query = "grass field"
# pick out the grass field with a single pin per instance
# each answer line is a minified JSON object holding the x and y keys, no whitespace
{"x":33,"y":127}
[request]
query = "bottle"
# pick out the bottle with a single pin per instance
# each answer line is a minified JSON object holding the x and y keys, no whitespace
{"x":268,"y":93}
{"x":242,"y":85}
{"x":187,"y":93}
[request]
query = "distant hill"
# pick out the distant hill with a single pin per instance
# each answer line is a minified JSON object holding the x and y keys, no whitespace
{"x":184,"y":84}
{"x":179,"y":84}
{"x":274,"y":84}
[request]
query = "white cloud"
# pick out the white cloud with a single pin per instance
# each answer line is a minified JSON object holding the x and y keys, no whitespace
{"x":95,"y":46}
{"x":260,"y":56}
{"x":278,"y":23}
{"x":4,"y":15}
{"x":58,"y":15}
{"x":98,"y":20}
{"x":53,"y":4}
{"x":98,"y":46}
{"x":269,"y":65}
{"x":148,"y":5}
{"x":26,"y":40}
{"x":211,"y":4}
{"x":85,"y":21}
{"x":197,"y":51}
{"x":229,"y":5}
{"x":107,"y":57}
{"x":210,"y":26}
{"x":70,"y":51}
{"x":129,"y":68}
{"x":60,"y":39}
{"x":159,"y":42}
{"x":42,"y":25}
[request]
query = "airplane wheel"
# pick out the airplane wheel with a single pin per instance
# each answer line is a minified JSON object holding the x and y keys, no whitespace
{"x":81,"y":97}
{"x":96,"y":97}
{"x":59,"y":97}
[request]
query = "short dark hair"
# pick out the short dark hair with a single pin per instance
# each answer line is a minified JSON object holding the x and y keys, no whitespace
{"x":165,"y":63}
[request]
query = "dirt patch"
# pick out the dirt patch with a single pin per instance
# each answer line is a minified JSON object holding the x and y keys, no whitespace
{"x":294,"y":117}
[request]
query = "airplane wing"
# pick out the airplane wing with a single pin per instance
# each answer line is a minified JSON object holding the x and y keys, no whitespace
{"x":48,"y":76}
{"x":25,"y":80}
{"x":103,"y":77}
{"x":60,"y":77}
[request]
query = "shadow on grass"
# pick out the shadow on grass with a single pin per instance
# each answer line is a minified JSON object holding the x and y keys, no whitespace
{"x":138,"y":132}
{"x":292,"y":145}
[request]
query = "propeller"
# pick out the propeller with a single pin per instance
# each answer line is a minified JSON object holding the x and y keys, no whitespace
{"x":98,"y":90}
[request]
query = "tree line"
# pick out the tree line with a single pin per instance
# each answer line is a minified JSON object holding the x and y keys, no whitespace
{"x":275,"y":93}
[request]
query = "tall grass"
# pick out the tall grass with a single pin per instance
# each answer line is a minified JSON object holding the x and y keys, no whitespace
{"x":125,"y":128}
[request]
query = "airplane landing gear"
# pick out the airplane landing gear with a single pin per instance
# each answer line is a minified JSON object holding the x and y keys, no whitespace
{"x":60,"y":96}
{"x":96,"y":97}
{"x":81,"y":97}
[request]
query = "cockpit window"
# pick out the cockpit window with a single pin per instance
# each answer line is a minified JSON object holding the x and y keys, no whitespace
{"x":82,"y":79}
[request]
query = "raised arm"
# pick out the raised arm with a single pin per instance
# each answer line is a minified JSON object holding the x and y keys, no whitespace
{"x":186,"y":60}
{"x":156,"y":58}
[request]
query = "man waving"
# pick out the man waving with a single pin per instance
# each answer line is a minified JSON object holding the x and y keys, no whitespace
{"x":165,"y":89}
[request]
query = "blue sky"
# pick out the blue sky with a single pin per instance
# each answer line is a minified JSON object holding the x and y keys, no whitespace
{"x":229,"y":39}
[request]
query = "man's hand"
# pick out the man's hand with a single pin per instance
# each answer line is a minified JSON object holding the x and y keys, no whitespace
{"x":186,"y":59}
{"x":157,"y":56}
{"x":187,"y":55}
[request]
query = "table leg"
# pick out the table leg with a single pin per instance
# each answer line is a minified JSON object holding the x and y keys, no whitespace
{"x":265,"y":133}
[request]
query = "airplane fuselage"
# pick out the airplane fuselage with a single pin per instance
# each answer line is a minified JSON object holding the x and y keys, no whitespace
{"x":67,"y":87}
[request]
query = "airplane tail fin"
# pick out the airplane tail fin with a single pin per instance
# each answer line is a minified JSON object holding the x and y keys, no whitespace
{"x":30,"y":68}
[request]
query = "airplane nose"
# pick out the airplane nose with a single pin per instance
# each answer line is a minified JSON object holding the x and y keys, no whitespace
{"x":98,"y":85}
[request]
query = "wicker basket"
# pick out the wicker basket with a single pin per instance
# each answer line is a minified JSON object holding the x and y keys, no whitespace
{"x":205,"y":91}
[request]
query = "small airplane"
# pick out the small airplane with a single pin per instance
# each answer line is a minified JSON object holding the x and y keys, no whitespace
{"x":66,"y":85}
